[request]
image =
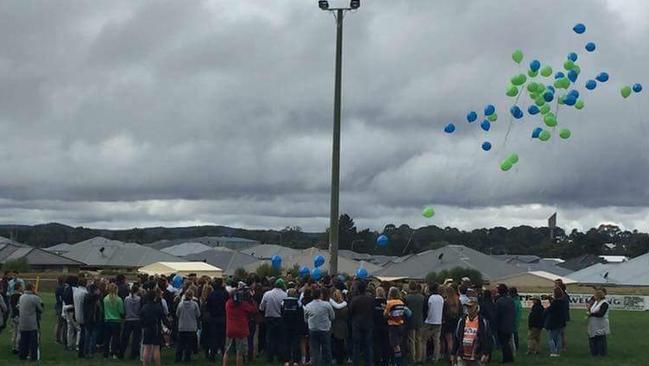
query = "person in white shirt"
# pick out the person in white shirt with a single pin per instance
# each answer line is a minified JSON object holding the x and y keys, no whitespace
{"x":433,"y":321}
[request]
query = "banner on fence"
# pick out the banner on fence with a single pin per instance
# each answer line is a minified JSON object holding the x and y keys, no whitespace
{"x":579,"y":301}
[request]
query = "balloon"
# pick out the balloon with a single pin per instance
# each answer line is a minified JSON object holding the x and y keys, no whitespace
{"x":485,"y":125}
{"x":551,"y":88}
{"x":531,"y":87}
{"x":579,"y":28}
{"x":561,"y":99}
{"x":572,"y":56}
{"x":489,"y":110}
{"x":472,"y":116}
{"x":544,"y":135}
{"x":304,"y":271}
{"x":533,"y":110}
{"x":570,"y":100}
{"x":577,"y":69}
{"x":519,"y":79}
{"x":559,"y":75}
{"x":318,"y":260}
{"x":486,"y":146}
{"x":536,"y":132}
{"x":548,"y":96}
{"x":539,"y":101}
{"x":550,"y":120}
{"x":562,"y":83}
{"x":513,"y":158}
{"x":545,"y":109}
{"x":546,"y":71}
{"x":512,"y":91}
{"x":625,"y":91}
{"x":535,"y":65}
{"x":602,"y":77}
{"x":428,"y":212}
{"x":564,"y":133}
{"x":276,"y":261}
{"x":572,"y":75}
{"x":382,"y":240}
{"x":450,"y":128}
{"x":361,"y":273}
{"x":637,"y":88}
{"x":569,"y":65}
{"x":590,"y":46}
{"x":493,"y":117}
{"x":591,"y":84}
{"x":574,"y":93}
{"x":516,"y":112}
{"x":517,"y":56}
{"x":580,"y":104}
{"x":177,"y":281}
{"x":505,"y":165}
{"x":532,"y":74}
{"x":316,"y":273}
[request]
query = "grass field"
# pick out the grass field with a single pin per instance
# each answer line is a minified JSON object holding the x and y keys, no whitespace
{"x":628,"y":345}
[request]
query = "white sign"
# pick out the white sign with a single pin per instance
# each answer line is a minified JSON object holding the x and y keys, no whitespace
{"x":579,"y":301}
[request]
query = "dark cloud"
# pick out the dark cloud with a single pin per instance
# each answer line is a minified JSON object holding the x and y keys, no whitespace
{"x":121,"y":114}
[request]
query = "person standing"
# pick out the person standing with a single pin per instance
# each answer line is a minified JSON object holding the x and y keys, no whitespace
{"x":450,"y":316}
{"x":92,"y":317}
{"x":534,"y":326}
{"x":473,"y":341}
{"x":433,"y":322}
{"x":78,"y":297}
{"x":598,"y":325}
{"x":60,"y":328}
{"x":361,"y":309}
{"x":518,"y":314}
{"x":505,"y":313}
{"x":14,"y":315}
{"x":132,"y":328}
{"x":152,"y":318}
{"x":339,"y":332}
{"x":555,"y":321}
{"x":566,"y":311}
{"x":271,"y":305}
{"x":415,"y":302}
{"x":293,"y":318}
{"x":73,"y":328}
{"x":382,"y":351}
{"x":395,"y":312}
{"x":319,"y":315}
{"x":31,"y":307}
{"x":215,"y":309}
{"x":238,"y":310}
{"x":122,"y":286}
{"x":113,"y":314}
{"x":188,"y":314}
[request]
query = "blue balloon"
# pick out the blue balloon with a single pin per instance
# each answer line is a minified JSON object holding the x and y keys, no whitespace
{"x":489,"y":110}
{"x":548,"y":96}
{"x":591,"y":84}
{"x":574,"y":93}
{"x":276,"y":261}
{"x":536,"y":132}
{"x":572,"y":75}
{"x":485,"y":125}
{"x":551,"y":88}
{"x":533,"y":109}
{"x":450,"y":128}
{"x":570,"y":100}
{"x":177,"y":281}
{"x":572,"y":56}
{"x":304,"y":271}
{"x":318,"y":260}
{"x":516,"y":112}
{"x":382,"y":240}
{"x":472,"y":116}
{"x":579,"y":28}
{"x":361,"y":273}
{"x":559,"y":75}
{"x":602,"y":77}
{"x":590,"y":46}
{"x":637,"y":87}
{"x":486,"y":146}
{"x":535,"y":65}
{"x":316,"y":273}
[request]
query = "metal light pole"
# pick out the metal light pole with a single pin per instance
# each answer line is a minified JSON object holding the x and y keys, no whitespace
{"x":335,"y":156}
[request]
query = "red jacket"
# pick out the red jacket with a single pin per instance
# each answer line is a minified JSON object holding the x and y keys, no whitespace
{"x":236,"y":318}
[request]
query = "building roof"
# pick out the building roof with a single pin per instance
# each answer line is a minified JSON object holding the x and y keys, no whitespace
{"x":541,"y":274}
{"x":35,"y":256}
{"x":102,"y":252}
{"x":614,"y":258}
{"x":184,"y":249}
{"x":417,"y":266}
{"x":530,"y":263}
{"x":211,"y":241}
{"x":379,"y":260}
{"x":580,"y":262}
{"x":635,"y":272}
{"x":59,"y":248}
{"x":227,"y":259}
{"x":182,"y":268}
{"x":267,"y":251}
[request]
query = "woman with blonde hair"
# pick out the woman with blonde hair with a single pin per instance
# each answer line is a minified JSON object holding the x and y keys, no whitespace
{"x":598,"y":325}
{"x":450,"y":316}
{"x":113,"y":314}
{"x":205,"y":325}
{"x":339,"y":327}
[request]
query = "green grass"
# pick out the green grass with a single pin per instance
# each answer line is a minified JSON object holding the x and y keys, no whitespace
{"x":628,"y":345}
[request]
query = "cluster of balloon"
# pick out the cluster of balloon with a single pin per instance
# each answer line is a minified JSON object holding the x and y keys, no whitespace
{"x":543,"y":86}
{"x":382,"y":240}
{"x":361,"y":273}
{"x":276,"y":261}
{"x":316,"y":273}
{"x":177,"y":281}
{"x":304,"y":271}
{"x":318,"y":261}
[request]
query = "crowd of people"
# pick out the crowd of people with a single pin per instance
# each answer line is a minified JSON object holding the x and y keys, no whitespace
{"x":297,"y":321}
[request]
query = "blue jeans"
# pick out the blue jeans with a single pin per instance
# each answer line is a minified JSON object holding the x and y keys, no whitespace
{"x":363,"y":339}
{"x":554,"y":341}
{"x":320,"y":346}
{"x":90,"y":339}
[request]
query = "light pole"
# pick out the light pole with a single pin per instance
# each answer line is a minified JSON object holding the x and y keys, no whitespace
{"x":335,"y":156}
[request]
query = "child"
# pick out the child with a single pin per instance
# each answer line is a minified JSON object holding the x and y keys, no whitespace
{"x":535,"y":326}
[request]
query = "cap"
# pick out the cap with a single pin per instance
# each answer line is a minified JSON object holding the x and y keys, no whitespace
{"x":279,"y":282}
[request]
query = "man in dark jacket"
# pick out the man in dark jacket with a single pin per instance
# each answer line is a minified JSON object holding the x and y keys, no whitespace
{"x":415,"y":302}
{"x":504,"y":322}
{"x":361,"y":312}
{"x":473,"y":342}
{"x":215,"y":311}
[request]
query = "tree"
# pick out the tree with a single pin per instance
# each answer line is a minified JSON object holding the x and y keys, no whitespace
{"x":346,"y":231}
{"x":16,"y":265}
{"x":266,"y":270}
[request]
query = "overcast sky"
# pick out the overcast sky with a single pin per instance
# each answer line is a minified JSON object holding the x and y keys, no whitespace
{"x":118,"y":114}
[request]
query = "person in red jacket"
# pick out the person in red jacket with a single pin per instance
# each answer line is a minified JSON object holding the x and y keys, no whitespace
{"x":237,"y":312}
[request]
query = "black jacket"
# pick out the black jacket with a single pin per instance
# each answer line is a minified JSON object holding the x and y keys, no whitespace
{"x":535,"y":319}
{"x":488,"y":310}
{"x":505,"y":312}
{"x":361,"y":311}
{"x":555,"y":315}
{"x":485,"y":339}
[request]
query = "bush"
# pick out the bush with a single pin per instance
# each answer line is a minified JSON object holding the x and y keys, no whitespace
{"x":240,"y":274}
{"x":267,"y":270}
{"x":456,"y":273}
{"x":17,"y":265}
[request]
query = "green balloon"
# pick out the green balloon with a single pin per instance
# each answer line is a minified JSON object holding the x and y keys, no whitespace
{"x":577,"y":69}
{"x":428,"y":212}
{"x":546,"y":71}
{"x":533,"y":96}
{"x":560,"y":99}
{"x":557,"y":84}
{"x":517,"y":56}
{"x":493,"y":117}
{"x":531,"y":87}
{"x":569,"y":65}
{"x":512,"y":158}
{"x":545,"y":109}
{"x":519,"y":79}
{"x":544,"y":135}
{"x":512,"y":91}
{"x":580,"y":104}
{"x":540,"y":88}
{"x":550,"y":120}
{"x":625,"y":91}
{"x":565,"y":83}
{"x":532,"y":74}
{"x":564,"y":133}
{"x":540,"y":102}
{"x":505,"y":165}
